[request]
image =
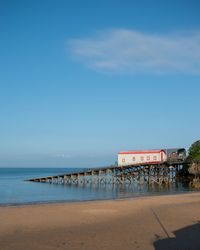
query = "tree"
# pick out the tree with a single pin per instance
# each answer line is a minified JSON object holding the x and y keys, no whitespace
{"x":194,"y":159}
{"x":194,"y":152}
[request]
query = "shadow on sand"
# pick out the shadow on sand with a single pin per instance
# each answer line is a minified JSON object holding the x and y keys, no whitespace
{"x":187,"y":238}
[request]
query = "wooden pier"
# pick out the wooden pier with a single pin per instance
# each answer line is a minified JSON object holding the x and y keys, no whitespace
{"x":149,"y":173}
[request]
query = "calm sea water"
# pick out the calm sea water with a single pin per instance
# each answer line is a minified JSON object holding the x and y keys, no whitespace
{"x":14,"y":190}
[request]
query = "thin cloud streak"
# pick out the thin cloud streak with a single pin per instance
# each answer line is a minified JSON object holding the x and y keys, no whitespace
{"x":121,"y":50}
{"x":63,"y":156}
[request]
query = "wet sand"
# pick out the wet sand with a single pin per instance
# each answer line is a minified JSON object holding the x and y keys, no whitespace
{"x":159,"y":222}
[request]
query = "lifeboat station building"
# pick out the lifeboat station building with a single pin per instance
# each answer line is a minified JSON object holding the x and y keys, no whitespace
{"x":141,"y":156}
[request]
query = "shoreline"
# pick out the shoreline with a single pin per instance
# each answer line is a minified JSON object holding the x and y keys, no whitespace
{"x":96,"y":200}
{"x":149,"y":222}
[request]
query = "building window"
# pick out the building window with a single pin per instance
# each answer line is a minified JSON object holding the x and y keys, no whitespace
{"x":133,"y":158}
{"x":155,"y":158}
{"x":123,"y":160}
{"x":148,"y":158}
{"x":142,"y":158}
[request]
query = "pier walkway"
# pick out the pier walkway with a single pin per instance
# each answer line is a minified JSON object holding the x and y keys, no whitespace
{"x":161,"y":173}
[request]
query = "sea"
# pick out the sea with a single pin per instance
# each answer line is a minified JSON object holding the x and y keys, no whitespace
{"x":15,"y":190}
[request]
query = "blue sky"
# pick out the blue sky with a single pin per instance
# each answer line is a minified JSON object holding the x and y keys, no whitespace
{"x":82,"y":80}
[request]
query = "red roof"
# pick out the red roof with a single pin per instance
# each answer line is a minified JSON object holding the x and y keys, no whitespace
{"x":142,"y":151}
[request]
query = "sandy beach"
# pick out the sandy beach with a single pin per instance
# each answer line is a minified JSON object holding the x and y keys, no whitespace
{"x":159,"y":222}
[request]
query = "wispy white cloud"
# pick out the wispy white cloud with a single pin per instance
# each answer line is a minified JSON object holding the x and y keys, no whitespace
{"x":63,"y":156}
{"x":121,"y":50}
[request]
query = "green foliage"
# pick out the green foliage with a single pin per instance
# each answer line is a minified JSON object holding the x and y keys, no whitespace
{"x":194,"y":152}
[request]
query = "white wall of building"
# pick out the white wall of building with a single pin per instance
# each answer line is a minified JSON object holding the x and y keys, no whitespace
{"x":127,"y":158}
